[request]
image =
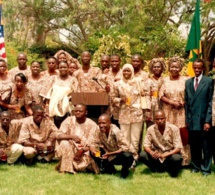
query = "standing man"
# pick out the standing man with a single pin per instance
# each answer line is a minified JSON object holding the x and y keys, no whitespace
{"x":137,"y":63}
{"x":198,"y":108}
{"x":113,"y":76}
{"x":22,"y":67}
{"x":105,"y":63}
{"x":162,"y":145}
{"x":85,"y":75}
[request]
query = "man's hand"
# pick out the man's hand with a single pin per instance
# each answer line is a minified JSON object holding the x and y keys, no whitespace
{"x":15,"y":107}
{"x":155,"y":154}
{"x":50,"y":148}
{"x":206,"y":127}
{"x":123,"y":100}
{"x":107,"y":88}
{"x":105,"y":156}
{"x":164,"y":155}
{"x":40,"y":147}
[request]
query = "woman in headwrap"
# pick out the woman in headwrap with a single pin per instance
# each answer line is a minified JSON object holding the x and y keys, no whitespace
{"x":64,"y":56}
{"x":129,"y":95}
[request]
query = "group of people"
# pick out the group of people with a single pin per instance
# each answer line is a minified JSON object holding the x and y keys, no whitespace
{"x":39,"y":121}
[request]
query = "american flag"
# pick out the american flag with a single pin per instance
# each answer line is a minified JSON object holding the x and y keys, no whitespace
{"x":2,"y":45}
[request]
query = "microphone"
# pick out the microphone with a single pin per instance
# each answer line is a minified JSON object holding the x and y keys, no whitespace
{"x":96,"y":80}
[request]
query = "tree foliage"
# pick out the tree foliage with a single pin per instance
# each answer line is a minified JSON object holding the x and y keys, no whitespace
{"x":150,"y":26}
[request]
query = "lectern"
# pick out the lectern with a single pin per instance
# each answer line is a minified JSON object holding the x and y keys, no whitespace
{"x":96,"y":102}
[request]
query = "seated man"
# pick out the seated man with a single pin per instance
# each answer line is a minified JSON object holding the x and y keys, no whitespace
{"x":162,"y":145}
{"x":10,"y":151}
{"x":113,"y":146}
{"x":75,"y":137}
{"x":37,"y":135}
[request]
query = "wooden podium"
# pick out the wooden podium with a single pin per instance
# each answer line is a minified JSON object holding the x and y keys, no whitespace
{"x":90,"y":98}
{"x":96,"y":102}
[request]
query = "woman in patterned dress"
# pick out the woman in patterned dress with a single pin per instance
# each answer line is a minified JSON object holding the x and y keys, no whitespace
{"x":57,"y":92}
{"x":20,"y":100}
{"x":35,"y":83}
{"x":5,"y":84}
{"x":172,"y":97}
{"x":156,"y":67}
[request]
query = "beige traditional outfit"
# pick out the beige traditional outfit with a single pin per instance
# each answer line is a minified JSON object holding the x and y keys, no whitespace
{"x":67,"y":149}
{"x":35,"y":86}
{"x":58,"y":91}
{"x":155,"y":88}
{"x":13,"y":71}
{"x":141,"y":75}
{"x":5,"y":91}
{"x":131,"y":112}
{"x":47,"y":75}
{"x":85,"y":80}
{"x":109,"y":79}
{"x":69,"y":58}
{"x":25,"y":99}
{"x":174,"y":90}
{"x":163,"y":143}
{"x":34,"y":134}
{"x":8,"y":142}
{"x":115,"y":141}
{"x":167,"y":142}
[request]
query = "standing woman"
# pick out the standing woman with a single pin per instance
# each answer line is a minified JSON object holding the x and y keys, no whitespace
{"x":127,"y":97}
{"x":57,"y":93}
{"x":156,"y":67}
{"x":72,"y":68}
{"x":172,"y":97}
{"x":64,"y":56}
{"x":35,"y":83}
{"x":5,"y":84}
{"x":20,"y":99}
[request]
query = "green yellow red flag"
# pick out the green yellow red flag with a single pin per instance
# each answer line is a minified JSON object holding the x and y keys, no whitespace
{"x":194,"y":40}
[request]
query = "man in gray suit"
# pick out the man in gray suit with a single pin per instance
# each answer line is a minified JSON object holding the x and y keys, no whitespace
{"x":198,"y":107}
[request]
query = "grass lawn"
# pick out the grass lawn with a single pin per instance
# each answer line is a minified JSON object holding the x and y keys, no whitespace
{"x":43,"y":179}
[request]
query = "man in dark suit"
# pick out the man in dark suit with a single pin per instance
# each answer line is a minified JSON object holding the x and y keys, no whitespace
{"x":198,"y":107}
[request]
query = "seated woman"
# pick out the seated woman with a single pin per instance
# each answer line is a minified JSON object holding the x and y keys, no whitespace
{"x":52,"y":67}
{"x":35,"y":83}
{"x":57,"y":93}
{"x":128,"y":94}
{"x":20,"y":99}
{"x":5,"y":84}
